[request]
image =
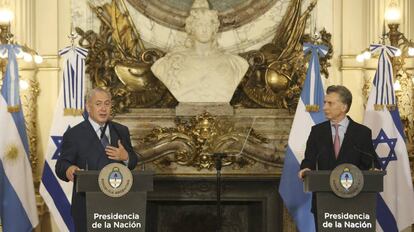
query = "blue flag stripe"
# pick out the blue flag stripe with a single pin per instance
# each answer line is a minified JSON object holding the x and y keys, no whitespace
{"x":15,"y":218}
{"x":288,"y":186}
{"x":397,"y":121}
{"x":385,"y":217}
{"x":64,"y":87}
{"x":18,"y":119}
{"x":58,"y":196}
{"x":81,"y":89}
{"x":391,"y":85}
{"x":75,"y":88}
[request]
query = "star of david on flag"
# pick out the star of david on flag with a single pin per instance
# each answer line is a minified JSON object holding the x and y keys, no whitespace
{"x":394,"y":204}
{"x":68,"y":113}
{"x":382,"y":138}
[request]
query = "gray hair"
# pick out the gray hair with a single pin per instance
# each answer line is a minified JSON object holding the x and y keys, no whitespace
{"x":93,"y":91}
{"x":344,"y":94}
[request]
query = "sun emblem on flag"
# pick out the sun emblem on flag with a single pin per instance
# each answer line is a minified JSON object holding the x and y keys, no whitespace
{"x":12,"y":152}
{"x":385,"y":159}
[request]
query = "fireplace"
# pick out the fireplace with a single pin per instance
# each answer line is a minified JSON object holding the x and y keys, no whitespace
{"x":188,"y":203}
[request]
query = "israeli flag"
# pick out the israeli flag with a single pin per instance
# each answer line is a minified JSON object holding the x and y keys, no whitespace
{"x":18,"y":210}
{"x":395,"y":203}
{"x":73,"y":79}
{"x":308,"y":113}
{"x":68,"y":113}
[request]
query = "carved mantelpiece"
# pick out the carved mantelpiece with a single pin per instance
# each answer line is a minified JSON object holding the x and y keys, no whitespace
{"x":172,"y":145}
{"x":249,"y":191}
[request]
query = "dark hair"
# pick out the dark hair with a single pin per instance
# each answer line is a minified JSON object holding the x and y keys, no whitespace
{"x":344,"y":94}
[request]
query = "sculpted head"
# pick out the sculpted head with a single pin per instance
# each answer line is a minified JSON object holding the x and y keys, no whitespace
{"x":202,"y":24}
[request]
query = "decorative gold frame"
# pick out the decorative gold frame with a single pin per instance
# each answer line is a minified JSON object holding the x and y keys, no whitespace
{"x":119,"y":61}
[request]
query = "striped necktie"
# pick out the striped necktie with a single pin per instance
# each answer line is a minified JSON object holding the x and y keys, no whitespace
{"x":104,"y":138}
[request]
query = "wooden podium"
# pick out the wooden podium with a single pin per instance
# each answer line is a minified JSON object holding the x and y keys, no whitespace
{"x":357,"y":213}
{"x":125,"y":213}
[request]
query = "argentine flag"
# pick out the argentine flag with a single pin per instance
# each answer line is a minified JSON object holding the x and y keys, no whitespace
{"x":68,"y":113}
{"x":308,"y":113}
{"x":18,"y":210}
{"x":395,"y":203}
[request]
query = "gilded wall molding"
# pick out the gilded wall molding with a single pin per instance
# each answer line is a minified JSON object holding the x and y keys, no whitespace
{"x":192,"y":143}
{"x":120,"y":62}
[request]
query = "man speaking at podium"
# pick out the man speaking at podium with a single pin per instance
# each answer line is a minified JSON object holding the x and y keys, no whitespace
{"x":338,"y":140}
{"x":91,"y":145}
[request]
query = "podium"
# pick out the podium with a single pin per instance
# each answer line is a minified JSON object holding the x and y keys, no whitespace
{"x":125,"y":213}
{"x":345,"y":213}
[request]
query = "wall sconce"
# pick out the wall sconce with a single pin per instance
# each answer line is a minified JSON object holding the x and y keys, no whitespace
{"x":6,"y":37}
{"x":404,"y":79}
{"x":392,"y":13}
{"x":397,"y":39}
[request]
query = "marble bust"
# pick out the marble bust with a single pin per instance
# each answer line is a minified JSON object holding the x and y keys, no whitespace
{"x":200,"y":71}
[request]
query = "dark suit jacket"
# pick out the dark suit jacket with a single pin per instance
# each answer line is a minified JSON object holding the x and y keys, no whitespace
{"x":319,"y":148}
{"x":82,"y":147}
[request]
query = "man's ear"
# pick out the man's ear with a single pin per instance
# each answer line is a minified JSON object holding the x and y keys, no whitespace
{"x":346,"y":108}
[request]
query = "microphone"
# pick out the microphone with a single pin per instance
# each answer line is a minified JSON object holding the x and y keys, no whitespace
{"x":371,"y":156}
{"x":217,"y":157}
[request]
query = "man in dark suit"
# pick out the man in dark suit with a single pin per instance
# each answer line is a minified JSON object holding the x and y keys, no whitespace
{"x":339,"y":139}
{"x":91,"y":145}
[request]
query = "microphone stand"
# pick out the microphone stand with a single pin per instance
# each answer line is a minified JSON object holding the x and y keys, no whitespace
{"x":218,"y":162}
{"x":371,"y":156}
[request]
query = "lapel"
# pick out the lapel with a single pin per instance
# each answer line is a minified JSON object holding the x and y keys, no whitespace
{"x":114,"y":134}
{"x":328,"y":140}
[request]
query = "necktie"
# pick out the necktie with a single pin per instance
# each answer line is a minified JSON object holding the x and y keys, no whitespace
{"x":104,"y":138}
{"x":337,"y":144}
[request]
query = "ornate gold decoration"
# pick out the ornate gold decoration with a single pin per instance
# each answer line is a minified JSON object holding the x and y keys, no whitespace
{"x":119,"y":61}
{"x":312,"y":108}
{"x":405,"y":96}
{"x":72,"y":112}
{"x":278,"y":69}
{"x":30,"y":111}
{"x":193,"y":142}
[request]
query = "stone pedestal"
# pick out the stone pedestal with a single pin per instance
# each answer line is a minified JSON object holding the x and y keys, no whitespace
{"x":196,"y":108}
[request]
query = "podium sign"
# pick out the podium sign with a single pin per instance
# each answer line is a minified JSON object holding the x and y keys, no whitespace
{"x":125,"y":212}
{"x":335,"y":210}
{"x":108,"y":214}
